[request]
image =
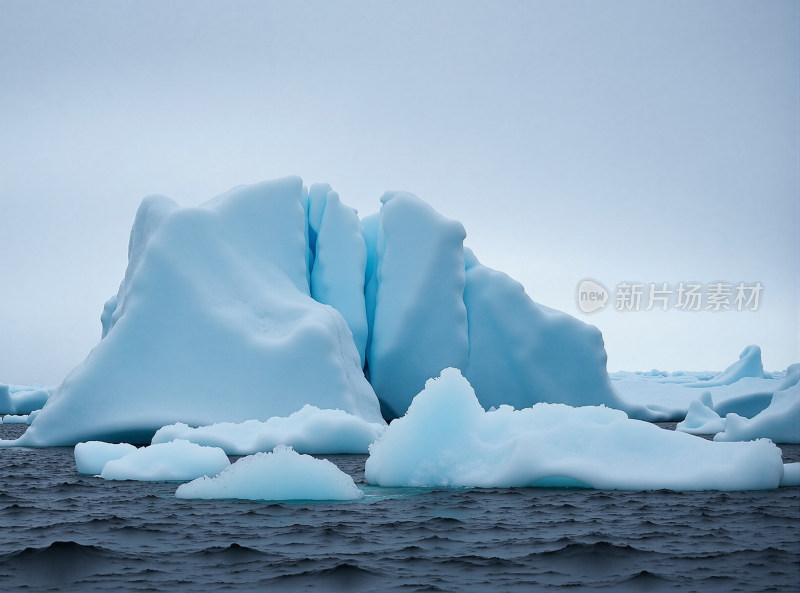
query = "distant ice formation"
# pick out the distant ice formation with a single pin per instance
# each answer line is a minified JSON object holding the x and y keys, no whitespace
{"x":272,"y":296}
{"x":282,"y":474}
{"x":779,"y":421}
{"x":448,"y":439}
{"x":743,"y":388}
{"x":22,"y":400}
{"x":748,"y":365}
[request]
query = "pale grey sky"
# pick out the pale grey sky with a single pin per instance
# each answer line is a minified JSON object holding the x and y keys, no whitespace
{"x":619,"y":141}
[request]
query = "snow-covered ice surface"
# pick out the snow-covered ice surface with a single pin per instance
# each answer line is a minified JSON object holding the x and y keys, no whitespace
{"x":309,"y":430}
{"x":282,"y":474}
{"x":447,"y":439}
{"x":176,"y":461}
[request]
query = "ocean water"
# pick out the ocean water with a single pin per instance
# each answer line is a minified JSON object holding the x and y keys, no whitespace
{"x":60,"y":531}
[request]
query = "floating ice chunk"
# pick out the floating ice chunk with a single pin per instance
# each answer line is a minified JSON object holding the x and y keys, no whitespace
{"x":751,"y":404}
{"x":447,"y":439}
{"x":668,"y":397}
{"x":791,"y":474}
{"x":282,"y":474}
{"x":15,"y":419}
{"x":780,"y":421}
{"x":701,"y":417}
{"x":174,"y":461}
{"x":26,"y":402}
{"x":21,"y":400}
{"x":309,"y":430}
{"x":91,"y":456}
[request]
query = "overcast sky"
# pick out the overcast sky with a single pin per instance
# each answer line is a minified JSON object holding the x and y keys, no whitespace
{"x":651,"y":142}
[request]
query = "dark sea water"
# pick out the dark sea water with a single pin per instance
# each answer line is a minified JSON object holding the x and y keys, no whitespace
{"x":60,"y":531}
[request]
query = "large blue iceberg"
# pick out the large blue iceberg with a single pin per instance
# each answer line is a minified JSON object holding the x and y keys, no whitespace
{"x":273,"y":296}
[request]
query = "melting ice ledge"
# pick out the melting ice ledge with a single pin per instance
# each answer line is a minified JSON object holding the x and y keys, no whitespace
{"x":273,"y":316}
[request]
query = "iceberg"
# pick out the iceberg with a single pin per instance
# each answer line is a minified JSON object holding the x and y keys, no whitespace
{"x":791,"y":475}
{"x":271,"y":296}
{"x":742,"y":388}
{"x":176,"y":461}
{"x":15,"y":419}
{"x":701,"y":417}
{"x":92,"y":456}
{"x":282,"y":474}
{"x":22,"y":400}
{"x":779,"y":422}
{"x":447,"y":439}
{"x":309,"y":430}
{"x":748,"y":365}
